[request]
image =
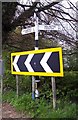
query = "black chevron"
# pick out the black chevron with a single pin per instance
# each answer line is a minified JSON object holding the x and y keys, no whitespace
{"x":21,"y":64}
{"x":35,"y":62}
{"x":54,"y":61}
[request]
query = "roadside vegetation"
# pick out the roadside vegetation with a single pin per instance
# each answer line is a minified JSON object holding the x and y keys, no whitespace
{"x":67,"y":94}
{"x":41,"y":108}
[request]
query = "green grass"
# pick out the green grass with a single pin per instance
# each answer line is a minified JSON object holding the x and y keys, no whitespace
{"x":40,"y":108}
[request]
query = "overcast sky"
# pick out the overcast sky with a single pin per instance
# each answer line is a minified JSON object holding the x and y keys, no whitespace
{"x":44,"y":2}
{"x":28,"y":1}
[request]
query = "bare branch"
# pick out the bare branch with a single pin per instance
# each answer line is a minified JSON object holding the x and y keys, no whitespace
{"x":48,"y":6}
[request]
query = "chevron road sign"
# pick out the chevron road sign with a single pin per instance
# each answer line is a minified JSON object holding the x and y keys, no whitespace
{"x":45,"y":62}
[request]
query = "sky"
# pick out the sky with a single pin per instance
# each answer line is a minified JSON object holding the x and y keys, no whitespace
{"x":74,"y":1}
{"x":44,"y":2}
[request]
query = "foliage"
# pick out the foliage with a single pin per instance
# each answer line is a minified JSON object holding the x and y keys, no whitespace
{"x":8,"y":12}
{"x":24,"y":84}
{"x":67,"y":86}
{"x":71,"y":59}
{"x":40,"y":108}
{"x":8,"y":78}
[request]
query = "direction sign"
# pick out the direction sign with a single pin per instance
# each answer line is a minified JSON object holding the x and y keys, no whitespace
{"x":40,"y":27}
{"x":28,"y":30}
{"x":45,"y":62}
{"x":47,"y":27}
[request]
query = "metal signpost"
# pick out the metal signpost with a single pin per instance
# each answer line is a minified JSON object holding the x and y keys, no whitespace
{"x":27,"y":31}
{"x":35,"y":91}
{"x":46,"y":62}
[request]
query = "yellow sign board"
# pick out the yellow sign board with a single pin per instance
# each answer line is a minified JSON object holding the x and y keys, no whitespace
{"x":43,"y":62}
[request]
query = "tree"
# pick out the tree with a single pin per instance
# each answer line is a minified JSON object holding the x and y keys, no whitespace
{"x":8,"y":12}
{"x":52,"y":10}
{"x":53,"y":13}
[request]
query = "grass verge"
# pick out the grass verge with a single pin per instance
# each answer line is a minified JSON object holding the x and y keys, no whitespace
{"x":40,"y":108}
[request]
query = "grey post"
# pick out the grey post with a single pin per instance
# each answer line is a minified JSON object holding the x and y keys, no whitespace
{"x":54,"y":91}
{"x":17,"y":88}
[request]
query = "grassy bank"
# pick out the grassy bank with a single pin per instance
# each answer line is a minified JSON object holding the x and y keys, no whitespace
{"x":41,"y":108}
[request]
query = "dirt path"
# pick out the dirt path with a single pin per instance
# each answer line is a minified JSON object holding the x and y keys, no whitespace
{"x":9,"y":111}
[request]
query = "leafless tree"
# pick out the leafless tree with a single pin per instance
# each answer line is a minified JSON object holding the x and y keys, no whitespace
{"x":56,"y":13}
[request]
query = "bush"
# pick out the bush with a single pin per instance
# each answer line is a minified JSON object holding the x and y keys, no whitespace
{"x":25,"y":84}
{"x":67,"y":86}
